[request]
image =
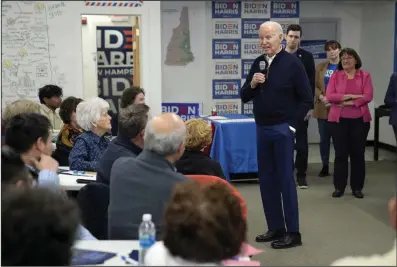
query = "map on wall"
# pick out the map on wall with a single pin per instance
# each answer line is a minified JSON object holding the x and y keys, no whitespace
{"x":27,"y":59}
{"x":178,"y":50}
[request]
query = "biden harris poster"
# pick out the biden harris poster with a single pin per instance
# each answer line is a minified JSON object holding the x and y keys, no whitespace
{"x":236,"y":44}
{"x":114,"y":63}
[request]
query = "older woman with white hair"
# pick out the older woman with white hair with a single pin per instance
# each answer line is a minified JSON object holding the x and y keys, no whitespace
{"x":88,"y":148}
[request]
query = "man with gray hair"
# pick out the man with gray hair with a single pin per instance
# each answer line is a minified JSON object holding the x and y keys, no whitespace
{"x":280,"y":90}
{"x":144,"y":184}
{"x":129,"y":141}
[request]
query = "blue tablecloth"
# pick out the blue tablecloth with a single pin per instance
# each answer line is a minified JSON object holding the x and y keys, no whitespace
{"x":234,"y":145}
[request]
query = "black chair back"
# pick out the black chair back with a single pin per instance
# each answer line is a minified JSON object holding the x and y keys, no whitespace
{"x":93,"y":200}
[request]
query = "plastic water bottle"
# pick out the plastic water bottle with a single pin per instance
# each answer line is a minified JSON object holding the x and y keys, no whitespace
{"x":147,"y":236}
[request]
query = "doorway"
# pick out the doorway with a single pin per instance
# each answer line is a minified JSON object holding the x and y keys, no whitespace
{"x":111,"y":53}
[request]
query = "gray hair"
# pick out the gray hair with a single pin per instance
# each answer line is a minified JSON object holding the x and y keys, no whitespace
{"x":273,"y":24}
{"x":133,"y":120}
{"x":90,"y":111}
{"x":164,"y":144}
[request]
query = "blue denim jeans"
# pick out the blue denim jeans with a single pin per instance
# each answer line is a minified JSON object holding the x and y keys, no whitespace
{"x":325,"y":140}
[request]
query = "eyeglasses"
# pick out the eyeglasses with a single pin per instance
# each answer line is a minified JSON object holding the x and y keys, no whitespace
{"x":347,"y":58}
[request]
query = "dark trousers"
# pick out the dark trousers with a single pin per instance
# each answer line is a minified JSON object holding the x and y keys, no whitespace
{"x":275,"y":148}
{"x":395,"y":132}
{"x":302,"y":149}
{"x":349,"y":136}
{"x":325,"y":140}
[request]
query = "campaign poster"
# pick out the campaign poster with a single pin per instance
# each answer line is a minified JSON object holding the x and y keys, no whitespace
{"x":226,"y":89}
{"x":316,"y":47}
{"x":247,"y":109}
{"x":246,"y":67}
{"x":250,"y":27}
{"x":255,"y":9}
{"x":226,"y":69}
{"x":285,"y":9}
{"x":226,"y":28}
{"x":226,"y":9}
{"x":231,"y":107}
{"x":186,"y":111}
{"x":251,"y":48}
{"x":226,"y":48}
{"x":114,"y":63}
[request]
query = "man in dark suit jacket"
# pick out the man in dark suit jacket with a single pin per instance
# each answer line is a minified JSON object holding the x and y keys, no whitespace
{"x":282,"y":97}
{"x":144,"y":184}
{"x":391,"y":101}
{"x":293,"y":37}
{"x":129,"y":141}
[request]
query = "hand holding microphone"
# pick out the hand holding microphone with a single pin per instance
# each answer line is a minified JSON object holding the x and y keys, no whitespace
{"x":259,"y":77}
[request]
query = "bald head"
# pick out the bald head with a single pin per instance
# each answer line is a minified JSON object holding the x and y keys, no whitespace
{"x":165,"y":135}
{"x":166,"y":123}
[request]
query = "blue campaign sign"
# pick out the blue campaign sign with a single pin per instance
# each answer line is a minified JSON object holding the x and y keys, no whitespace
{"x":246,"y":67}
{"x":226,"y":89}
{"x":226,"y":48}
{"x":114,"y":63}
{"x":250,"y":27}
{"x":247,"y":109}
{"x":316,"y":47}
{"x":285,"y":9}
{"x":186,"y":111}
{"x":226,"y":9}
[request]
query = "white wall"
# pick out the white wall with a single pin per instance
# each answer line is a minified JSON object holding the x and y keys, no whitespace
{"x":88,"y":34}
{"x":377,"y":51}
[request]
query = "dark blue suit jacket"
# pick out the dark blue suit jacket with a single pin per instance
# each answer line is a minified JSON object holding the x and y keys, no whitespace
{"x":391,"y":98}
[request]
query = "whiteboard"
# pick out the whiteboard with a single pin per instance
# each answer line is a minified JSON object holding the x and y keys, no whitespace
{"x":37,"y":49}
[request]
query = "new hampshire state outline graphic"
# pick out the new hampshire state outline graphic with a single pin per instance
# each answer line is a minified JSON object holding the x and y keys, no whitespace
{"x":178,"y":50}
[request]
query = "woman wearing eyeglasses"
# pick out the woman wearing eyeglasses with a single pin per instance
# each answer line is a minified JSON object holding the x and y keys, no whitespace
{"x":349,"y":91}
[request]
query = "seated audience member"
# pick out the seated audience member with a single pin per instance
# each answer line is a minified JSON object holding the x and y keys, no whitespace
{"x":128,"y":143}
{"x":20,"y":107}
{"x":132,"y":95}
{"x":16,"y":108}
{"x":203,"y":225}
{"x":143,"y":184}
{"x":388,"y":259}
{"x":194,"y":161}
{"x":29,"y":135}
{"x":50,"y":98}
{"x":391,"y":100}
{"x":37,"y":228}
{"x":88,"y":148}
{"x":69,"y":131}
{"x":15,"y":174}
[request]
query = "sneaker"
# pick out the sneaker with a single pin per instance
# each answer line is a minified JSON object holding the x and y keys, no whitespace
{"x":302,"y":183}
{"x":324,"y":172}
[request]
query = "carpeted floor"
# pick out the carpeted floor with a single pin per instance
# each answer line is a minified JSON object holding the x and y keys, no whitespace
{"x":331,"y":228}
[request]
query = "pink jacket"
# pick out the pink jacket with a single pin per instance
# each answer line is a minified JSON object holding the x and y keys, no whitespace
{"x":336,"y":90}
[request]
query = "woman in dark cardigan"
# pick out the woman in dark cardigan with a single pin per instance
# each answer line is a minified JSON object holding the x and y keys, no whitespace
{"x":194,"y":161}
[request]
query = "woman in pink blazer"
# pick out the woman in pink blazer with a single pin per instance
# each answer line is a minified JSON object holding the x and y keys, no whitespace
{"x":349,"y":91}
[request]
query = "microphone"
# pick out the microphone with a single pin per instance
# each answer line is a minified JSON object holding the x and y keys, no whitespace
{"x":262,"y":66}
